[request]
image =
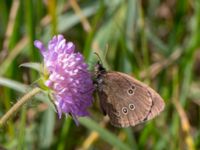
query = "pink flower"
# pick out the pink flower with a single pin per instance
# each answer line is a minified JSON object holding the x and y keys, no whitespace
{"x":68,"y":76}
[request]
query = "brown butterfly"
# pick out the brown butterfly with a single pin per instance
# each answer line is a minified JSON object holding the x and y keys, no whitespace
{"x":124,"y":99}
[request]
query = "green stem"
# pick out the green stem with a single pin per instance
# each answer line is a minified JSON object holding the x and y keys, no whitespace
{"x":18,"y":105}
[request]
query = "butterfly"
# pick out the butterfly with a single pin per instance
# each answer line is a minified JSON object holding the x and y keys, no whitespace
{"x":126,"y":100}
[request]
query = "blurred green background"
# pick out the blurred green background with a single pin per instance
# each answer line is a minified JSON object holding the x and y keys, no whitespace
{"x":156,"y":41}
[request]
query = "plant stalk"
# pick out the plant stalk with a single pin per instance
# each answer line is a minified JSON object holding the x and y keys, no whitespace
{"x":18,"y":105}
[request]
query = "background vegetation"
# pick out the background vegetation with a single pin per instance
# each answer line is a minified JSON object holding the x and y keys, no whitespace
{"x":156,"y":41}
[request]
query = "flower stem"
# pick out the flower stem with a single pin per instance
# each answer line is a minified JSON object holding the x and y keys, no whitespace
{"x":18,"y":105}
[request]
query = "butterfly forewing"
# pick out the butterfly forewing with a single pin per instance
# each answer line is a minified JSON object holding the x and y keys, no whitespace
{"x":126,"y":100}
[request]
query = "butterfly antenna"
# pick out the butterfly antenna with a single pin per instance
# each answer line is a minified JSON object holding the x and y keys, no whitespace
{"x":98,"y":57}
{"x":106,"y":51}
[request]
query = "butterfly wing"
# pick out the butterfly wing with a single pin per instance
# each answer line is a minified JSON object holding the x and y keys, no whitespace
{"x":157,"y":101}
{"x":127,"y":101}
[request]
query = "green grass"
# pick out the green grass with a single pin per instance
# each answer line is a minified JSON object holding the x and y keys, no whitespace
{"x":131,"y":36}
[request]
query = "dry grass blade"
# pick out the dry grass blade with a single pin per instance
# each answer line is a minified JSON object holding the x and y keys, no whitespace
{"x":93,"y":136}
{"x":185,"y":125}
{"x":18,"y":48}
{"x":9,"y":30}
{"x":84,"y":21}
{"x":162,"y":64}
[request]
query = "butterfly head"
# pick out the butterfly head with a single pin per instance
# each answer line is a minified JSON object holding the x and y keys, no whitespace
{"x":99,"y":72}
{"x":99,"y":69}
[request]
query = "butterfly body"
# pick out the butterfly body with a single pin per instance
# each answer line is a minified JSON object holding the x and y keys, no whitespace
{"x":124,"y":99}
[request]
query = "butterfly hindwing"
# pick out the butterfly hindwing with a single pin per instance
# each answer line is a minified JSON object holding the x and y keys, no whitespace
{"x":126,"y":100}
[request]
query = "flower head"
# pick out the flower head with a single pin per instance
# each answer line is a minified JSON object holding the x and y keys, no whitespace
{"x":68,"y":76}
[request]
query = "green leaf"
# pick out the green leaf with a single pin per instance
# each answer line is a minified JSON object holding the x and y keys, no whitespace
{"x":22,"y":88}
{"x":46,"y":128}
{"x":32,"y":65}
{"x":104,"y":134}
